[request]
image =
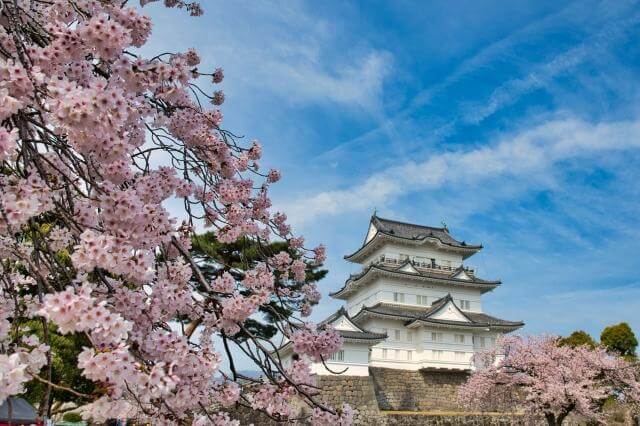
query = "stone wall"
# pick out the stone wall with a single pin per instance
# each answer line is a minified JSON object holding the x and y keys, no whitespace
{"x":416,"y":390}
{"x":390,"y":397}
{"x":414,"y":419}
{"x":357,"y":391}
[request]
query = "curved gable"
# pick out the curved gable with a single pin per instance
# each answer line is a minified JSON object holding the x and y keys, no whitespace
{"x":450,"y":312}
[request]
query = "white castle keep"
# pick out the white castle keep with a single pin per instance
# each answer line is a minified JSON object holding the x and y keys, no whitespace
{"x":414,"y":305}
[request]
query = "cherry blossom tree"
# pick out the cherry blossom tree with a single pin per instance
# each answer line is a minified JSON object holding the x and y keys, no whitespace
{"x":545,"y":379}
{"x":95,"y":140}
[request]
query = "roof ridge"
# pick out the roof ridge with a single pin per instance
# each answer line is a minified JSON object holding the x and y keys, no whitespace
{"x":442,"y":302}
{"x":409,"y":223}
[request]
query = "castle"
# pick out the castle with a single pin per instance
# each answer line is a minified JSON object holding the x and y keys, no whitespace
{"x":413,"y":306}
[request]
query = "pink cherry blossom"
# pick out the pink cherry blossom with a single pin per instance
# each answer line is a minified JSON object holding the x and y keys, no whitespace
{"x":553,"y":380}
{"x":97,"y":141}
{"x":316,"y":344}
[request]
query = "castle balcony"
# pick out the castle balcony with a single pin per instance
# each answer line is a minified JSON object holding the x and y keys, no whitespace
{"x":429,"y":265}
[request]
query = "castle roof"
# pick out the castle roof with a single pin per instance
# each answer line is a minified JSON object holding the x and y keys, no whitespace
{"x":356,"y":335}
{"x":407,"y":272}
{"x":415,"y":316}
{"x":393,"y":230}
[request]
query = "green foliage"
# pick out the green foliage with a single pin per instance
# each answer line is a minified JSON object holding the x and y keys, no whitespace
{"x":240,"y":256}
{"x":64,"y":371}
{"x":578,"y":338}
{"x":72,"y":417}
{"x":619,"y":338}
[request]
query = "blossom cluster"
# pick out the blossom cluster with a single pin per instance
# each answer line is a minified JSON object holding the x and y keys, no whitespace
{"x":545,"y":378}
{"x":15,"y":368}
{"x":316,"y":344}
{"x":95,"y":142}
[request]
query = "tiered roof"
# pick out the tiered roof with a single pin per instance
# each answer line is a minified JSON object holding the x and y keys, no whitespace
{"x":407,"y":272}
{"x":358,"y":334}
{"x":409,"y":233}
{"x":414,"y":316}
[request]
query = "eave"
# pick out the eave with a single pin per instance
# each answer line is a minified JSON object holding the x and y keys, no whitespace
{"x":460,"y":325}
{"x":420,"y":317}
{"x":381,"y":236}
{"x":353,"y":284}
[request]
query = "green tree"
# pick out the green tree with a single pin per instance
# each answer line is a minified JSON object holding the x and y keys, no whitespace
{"x":64,"y":368}
{"x":242,"y":255}
{"x":619,"y":338}
{"x":578,"y":338}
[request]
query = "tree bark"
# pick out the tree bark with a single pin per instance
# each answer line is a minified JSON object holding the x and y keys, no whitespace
{"x":552,"y":420}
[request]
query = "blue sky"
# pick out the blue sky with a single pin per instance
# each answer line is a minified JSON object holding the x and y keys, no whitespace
{"x":518,"y":123}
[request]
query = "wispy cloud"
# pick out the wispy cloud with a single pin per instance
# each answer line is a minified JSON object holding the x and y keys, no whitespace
{"x":284,"y":52}
{"x":541,"y":76}
{"x":305,"y":80}
{"x":604,"y":26}
{"x":522,"y":153}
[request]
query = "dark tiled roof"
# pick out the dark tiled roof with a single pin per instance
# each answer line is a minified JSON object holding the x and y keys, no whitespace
{"x":334,"y":316}
{"x":416,"y":232}
{"x":352,"y":334}
{"x":474,"y":281}
{"x":411,"y":315}
{"x":360,"y":334}
{"x":488,"y":319}
{"x":366,"y":335}
{"x":405,"y":312}
{"x":429,"y":274}
{"x":413,"y":233}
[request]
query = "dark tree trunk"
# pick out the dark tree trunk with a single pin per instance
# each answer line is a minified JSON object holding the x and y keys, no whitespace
{"x":562,"y":416}
{"x":552,"y":420}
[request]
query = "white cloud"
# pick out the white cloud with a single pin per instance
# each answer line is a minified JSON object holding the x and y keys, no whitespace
{"x":603,"y":25}
{"x":542,"y":76}
{"x":285,"y":52}
{"x":527,"y":152}
{"x":306,"y":80}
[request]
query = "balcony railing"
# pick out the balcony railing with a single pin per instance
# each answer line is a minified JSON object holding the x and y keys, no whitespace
{"x":422,"y":264}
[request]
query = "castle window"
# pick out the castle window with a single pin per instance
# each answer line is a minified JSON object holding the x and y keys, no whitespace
{"x":459,"y":338}
{"x":437,"y":355}
{"x":465,"y":305}
{"x":422,"y":300}
{"x":338,"y":356}
{"x":398,"y":297}
{"x":436,"y":337}
{"x":396,"y":334}
{"x":409,"y":336}
{"x":481,"y":342}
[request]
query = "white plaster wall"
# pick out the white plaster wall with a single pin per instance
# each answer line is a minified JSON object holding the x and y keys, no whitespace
{"x":382,"y":289}
{"x":356,"y":360}
{"x":451,"y":353}
{"x":427,"y":250}
{"x":370,"y":233}
{"x":450,"y":312}
{"x":343,"y":324}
